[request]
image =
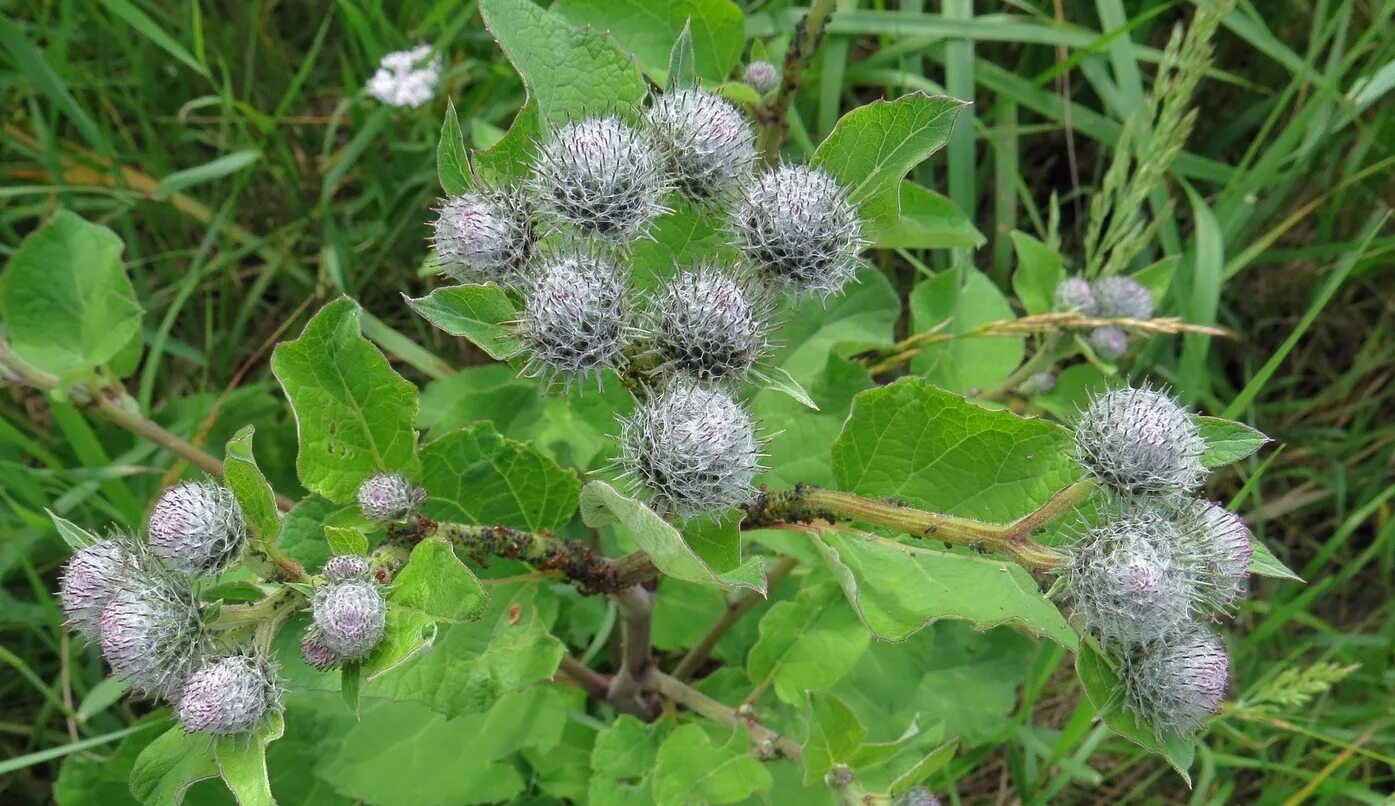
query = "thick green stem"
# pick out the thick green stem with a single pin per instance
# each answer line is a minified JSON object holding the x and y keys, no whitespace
{"x":732,"y":614}
{"x":774,"y":116}
{"x":806,"y":503}
{"x":768,"y":742}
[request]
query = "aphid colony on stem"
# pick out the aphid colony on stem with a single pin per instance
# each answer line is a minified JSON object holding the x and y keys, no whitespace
{"x":561,"y":238}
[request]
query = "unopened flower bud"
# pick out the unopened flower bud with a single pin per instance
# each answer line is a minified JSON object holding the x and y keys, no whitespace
{"x":151,"y":632}
{"x":315,"y":653}
{"x":89,"y":580}
{"x":692,"y":450}
{"x":840,"y":776}
{"x":797,"y":227}
{"x":1218,"y":549}
{"x":917,"y":796}
{"x":484,"y":237}
{"x":1139,"y":441}
{"x":1177,"y":683}
{"x":1038,"y":384}
{"x":1075,"y":294}
{"x":706,"y":323}
{"x":604,"y":177}
{"x":386,"y":497}
{"x":1109,"y":342}
{"x":709,"y":144}
{"x":197,"y":527}
{"x":229,"y":696}
{"x":762,"y":76}
{"x":347,"y":566}
{"x":575,"y":318}
{"x":1123,"y":297}
{"x":351,"y":618}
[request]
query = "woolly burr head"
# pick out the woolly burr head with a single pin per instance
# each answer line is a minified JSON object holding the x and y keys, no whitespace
{"x":484,"y":237}
{"x":603,"y":177}
{"x":1109,"y":342}
{"x":1123,"y":297}
{"x":762,"y":76}
{"x":1125,"y":581}
{"x":575,"y":318}
{"x":89,"y":579}
{"x":197,"y":527}
{"x":797,"y":228}
{"x":1075,"y":294}
{"x":1217,"y":546}
{"x":707,"y":324}
{"x":709,"y":144}
{"x":151,"y":632}
{"x":1140,"y":441}
{"x":692,"y":451}
{"x":351,"y":618}
{"x":386,"y":497}
{"x":229,"y":696}
{"x":1175,"y":684}
{"x":347,"y":566}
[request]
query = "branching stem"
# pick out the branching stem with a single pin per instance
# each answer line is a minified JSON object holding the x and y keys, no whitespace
{"x":773,"y":117}
{"x":767,"y":741}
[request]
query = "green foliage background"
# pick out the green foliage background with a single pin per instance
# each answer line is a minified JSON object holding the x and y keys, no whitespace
{"x":226,"y":144}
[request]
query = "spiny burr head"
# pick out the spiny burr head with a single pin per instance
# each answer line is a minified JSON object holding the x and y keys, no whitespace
{"x":347,"y":566}
{"x":229,"y":696}
{"x":351,"y":617}
{"x":1175,"y":684}
{"x":707,"y":324}
{"x":575,"y":318}
{"x":604,"y":177}
{"x":151,"y":632}
{"x":691,"y":451}
{"x":89,"y":579}
{"x":709,"y":144}
{"x":484,"y":236}
{"x":1109,"y":342}
{"x":386,"y":497}
{"x":1123,"y":297}
{"x":197,"y":527}
{"x":762,"y":76}
{"x":796,"y":226}
{"x":1140,"y":441}
{"x":1075,"y":294}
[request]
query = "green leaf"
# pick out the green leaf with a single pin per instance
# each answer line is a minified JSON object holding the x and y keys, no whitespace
{"x":874,"y":146}
{"x":350,"y":684}
{"x":864,"y":316}
{"x":1264,"y":563}
{"x":928,"y":221}
{"x":353,"y":412}
{"x":622,"y":763}
{"x":66,"y":301}
{"x":834,"y":735}
{"x":225,"y":165}
{"x":602,"y":505}
{"x":787,"y":451}
{"x":452,"y":164}
{"x":807,"y":644}
{"x":898,"y":589}
{"x":472,"y":665}
{"x":1227,"y":441}
{"x":476,"y":476}
{"x":965,"y":363}
{"x":345,"y":540}
{"x":940,"y":452}
{"x":682,"y":70}
{"x":480,"y":313}
{"x":690,"y":769}
{"x":402,"y":754}
{"x":779,"y":380}
{"x":1105,"y":692}
{"x":75,"y":536}
{"x":678,"y":238}
{"x":242,"y":762}
{"x":509,"y":160}
{"x":1039,"y":270}
{"x":250,"y":487}
{"x":303,"y":534}
{"x":648,"y":29}
{"x":168,"y":766}
{"x":434,"y":586}
{"x":893,"y":767}
{"x":570,"y":73}
{"x":103,"y":779}
{"x":946,"y":680}
{"x":717,"y":542}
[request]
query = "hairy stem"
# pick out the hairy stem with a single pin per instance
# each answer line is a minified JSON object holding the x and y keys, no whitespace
{"x":116,"y":406}
{"x":636,"y":654}
{"x":698,"y":655}
{"x":774,"y":116}
{"x":595,"y":684}
{"x":806,"y":503}
{"x":767,"y":741}
{"x":254,"y":617}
